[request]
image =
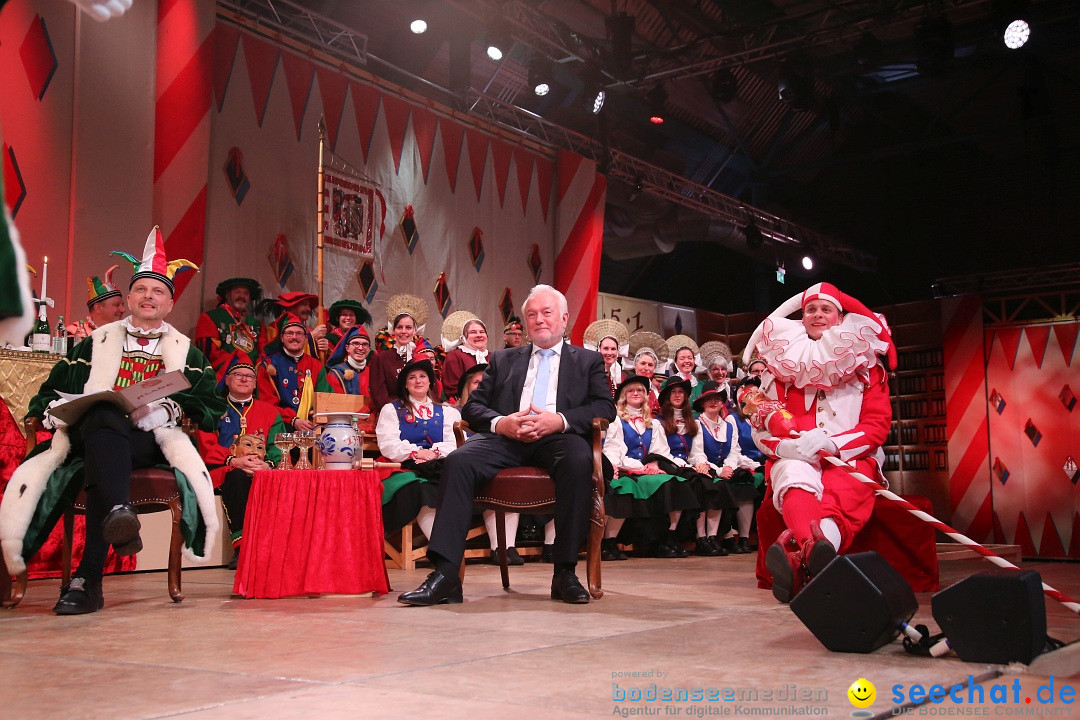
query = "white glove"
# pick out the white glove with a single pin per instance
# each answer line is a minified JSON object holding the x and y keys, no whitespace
{"x":50,"y":422}
{"x":102,"y":10}
{"x":811,"y":442}
{"x":789,"y":450}
{"x":160,"y":413}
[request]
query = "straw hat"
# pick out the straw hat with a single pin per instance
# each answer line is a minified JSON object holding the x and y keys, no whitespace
{"x":406,"y":304}
{"x":675,"y":342}
{"x":645,"y":339}
{"x":600,"y":329}
{"x":452,"y":327}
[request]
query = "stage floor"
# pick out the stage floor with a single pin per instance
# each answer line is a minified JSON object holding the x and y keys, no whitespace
{"x":668,"y":624}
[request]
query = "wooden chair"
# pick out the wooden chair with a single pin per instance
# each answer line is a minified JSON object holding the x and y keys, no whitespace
{"x":531,"y":490}
{"x":152,"y":490}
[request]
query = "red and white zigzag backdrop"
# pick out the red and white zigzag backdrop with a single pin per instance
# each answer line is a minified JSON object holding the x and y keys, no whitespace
{"x":1014,"y":425}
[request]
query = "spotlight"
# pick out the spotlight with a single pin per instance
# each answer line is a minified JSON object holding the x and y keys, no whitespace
{"x":540,"y":76}
{"x":753,"y":235}
{"x":725,"y":86}
{"x":620,"y":28}
{"x":657,"y":98}
{"x":498,"y":41}
{"x":1011,"y":21}
{"x":807,"y":262}
{"x":639,"y":185}
{"x":418,"y":26}
{"x":934,"y":39}
{"x":794,"y":87}
{"x":1016,"y":34}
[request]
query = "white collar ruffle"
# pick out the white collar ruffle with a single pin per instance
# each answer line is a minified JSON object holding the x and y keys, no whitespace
{"x":480,"y":355}
{"x":844,"y":351}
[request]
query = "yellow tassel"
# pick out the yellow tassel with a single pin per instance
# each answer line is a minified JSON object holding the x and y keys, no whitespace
{"x":271,"y":370}
{"x":349,"y":375}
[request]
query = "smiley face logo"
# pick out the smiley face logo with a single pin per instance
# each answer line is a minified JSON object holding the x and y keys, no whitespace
{"x":862,"y":693}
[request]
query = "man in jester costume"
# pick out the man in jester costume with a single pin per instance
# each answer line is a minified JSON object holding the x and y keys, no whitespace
{"x":100,"y":450}
{"x":104,"y":303}
{"x":231,"y":330}
{"x":282,"y":374}
{"x":232,"y":465}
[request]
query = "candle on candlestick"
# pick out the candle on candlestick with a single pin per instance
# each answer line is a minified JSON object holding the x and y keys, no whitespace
{"x":44,"y":277}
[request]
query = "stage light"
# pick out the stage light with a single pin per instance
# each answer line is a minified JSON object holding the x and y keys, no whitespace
{"x":934,"y":39}
{"x":1016,"y":34}
{"x":418,"y":26}
{"x":657,"y":98}
{"x":725,"y":86}
{"x":639,"y":185}
{"x":793,"y":87}
{"x":498,"y":41}
{"x":540,"y":76}
{"x":807,"y":262}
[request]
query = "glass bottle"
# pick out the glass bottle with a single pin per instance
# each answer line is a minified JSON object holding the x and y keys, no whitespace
{"x":59,"y":338}
{"x":40,"y":335}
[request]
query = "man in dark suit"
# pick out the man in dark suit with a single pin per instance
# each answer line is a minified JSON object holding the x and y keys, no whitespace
{"x":535,"y":406}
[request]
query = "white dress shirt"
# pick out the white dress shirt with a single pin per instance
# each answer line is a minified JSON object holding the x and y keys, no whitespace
{"x":388,"y":433}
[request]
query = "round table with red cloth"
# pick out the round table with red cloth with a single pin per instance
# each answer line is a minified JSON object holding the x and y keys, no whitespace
{"x":312,"y":532}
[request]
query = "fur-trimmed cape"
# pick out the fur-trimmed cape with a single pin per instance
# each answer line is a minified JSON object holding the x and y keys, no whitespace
{"x":31,"y":499}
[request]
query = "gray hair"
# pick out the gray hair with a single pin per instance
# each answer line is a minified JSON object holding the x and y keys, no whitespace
{"x":537,"y":290}
{"x":646,"y":351}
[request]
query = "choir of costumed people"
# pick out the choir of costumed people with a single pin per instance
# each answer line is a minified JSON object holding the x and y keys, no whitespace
{"x":634,"y":444}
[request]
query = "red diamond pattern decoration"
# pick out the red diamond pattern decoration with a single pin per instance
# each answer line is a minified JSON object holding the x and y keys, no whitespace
{"x":14,"y":187}
{"x":476,"y":248}
{"x":1071,"y":470}
{"x":534,"y":262}
{"x":442,"y":295}
{"x":506,"y":305}
{"x":997,"y":402}
{"x":365,"y":275}
{"x":38,"y":58}
{"x":409,"y":231}
{"x":1067,"y":398}
{"x":1032,"y":433}
{"x":1000,"y":470}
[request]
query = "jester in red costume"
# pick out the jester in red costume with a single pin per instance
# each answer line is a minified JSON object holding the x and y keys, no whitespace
{"x":826,"y":371}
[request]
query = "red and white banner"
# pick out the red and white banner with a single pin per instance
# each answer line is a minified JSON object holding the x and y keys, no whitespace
{"x":579,"y":237}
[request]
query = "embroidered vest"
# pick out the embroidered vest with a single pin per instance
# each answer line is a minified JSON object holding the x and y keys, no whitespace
{"x":422,"y":432}
{"x":717,"y":450}
{"x":637,"y":445}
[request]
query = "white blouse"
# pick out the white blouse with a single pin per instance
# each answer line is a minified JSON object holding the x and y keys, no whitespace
{"x":697,"y":452}
{"x":388,"y":433}
{"x":615,"y":446}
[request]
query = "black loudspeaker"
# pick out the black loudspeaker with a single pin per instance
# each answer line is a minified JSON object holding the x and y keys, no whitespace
{"x":856,"y":604}
{"x":997,"y":616}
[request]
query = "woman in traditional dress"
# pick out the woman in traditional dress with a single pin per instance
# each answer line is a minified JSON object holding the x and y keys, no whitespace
{"x":611,"y":339}
{"x":406,"y":315}
{"x":417,"y":432}
{"x":467,"y":348}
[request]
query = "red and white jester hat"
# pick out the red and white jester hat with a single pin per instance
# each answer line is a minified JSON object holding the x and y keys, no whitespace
{"x":843,"y":302}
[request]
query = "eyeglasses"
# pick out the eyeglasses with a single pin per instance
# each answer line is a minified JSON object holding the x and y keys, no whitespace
{"x":242,"y":376}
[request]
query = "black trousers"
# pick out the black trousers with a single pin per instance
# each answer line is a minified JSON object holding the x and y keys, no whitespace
{"x":567,"y":458}
{"x":111,"y":447}
{"x":234,"y":493}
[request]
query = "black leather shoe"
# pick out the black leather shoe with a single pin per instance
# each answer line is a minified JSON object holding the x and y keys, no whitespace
{"x":234,"y":561}
{"x":609,"y":550}
{"x":436,"y":590}
{"x":513,"y":557}
{"x":566,"y":587}
{"x":121,"y":530}
{"x":79,"y":597}
{"x":705,"y":548}
{"x":743,"y":546}
{"x":545,"y":553}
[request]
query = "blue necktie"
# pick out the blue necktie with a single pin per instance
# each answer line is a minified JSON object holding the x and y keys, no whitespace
{"x":543,"y":372}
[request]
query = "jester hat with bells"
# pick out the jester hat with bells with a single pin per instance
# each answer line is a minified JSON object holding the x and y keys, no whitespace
{"x":848,"y":347}
{"x":154,"y":263}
